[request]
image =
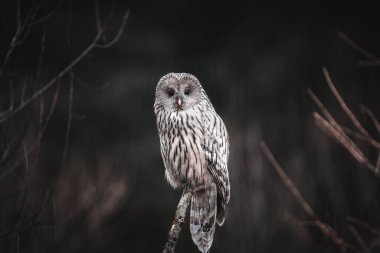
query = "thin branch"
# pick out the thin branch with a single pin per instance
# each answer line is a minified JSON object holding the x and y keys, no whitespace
{"x":50,"y":113}
{"x":42,"y":90}
{"x":24,"y":88}
{"x":70,"y":216}
{"x":26,"y":26}
{"x":346,"y":142}
{"x":357,"y":48}
{"x":335,"y":131}
{"x":372,"y":116}
{"x":342,"y":103}
{"x":293,"y":189}
{"x":11,"y":99}
{"x":12,"y":147}
{"x":323,"y":227}
{"x":97,"y":17}
{"x":42,"y":110}
{"x":14,"y":39}
{"x":118,"y":34}
{"x":17,"y":218}
{"x":40,"y":135}
{"x":179,"y":219}
{"x":42,"y":50}
{"x":326,"y":113}
{"x":361,"y":137}
{"x":26,"y":158}
{"x":48,"y":15}
{"x":359,"y":239}
{"x":356,"y":221}
{"x":70,"y":66}
{"x":70,"y":116}
{"x":338,"y":137}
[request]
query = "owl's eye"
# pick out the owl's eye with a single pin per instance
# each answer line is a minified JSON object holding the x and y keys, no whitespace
{"x":170,"y":92}
{"x":187,"y":91}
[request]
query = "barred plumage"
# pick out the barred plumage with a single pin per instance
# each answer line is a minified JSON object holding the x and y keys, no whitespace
{"x":195,"y":149}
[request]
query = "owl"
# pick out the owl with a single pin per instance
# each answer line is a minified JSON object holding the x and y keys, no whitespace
{"x":195,"y":148}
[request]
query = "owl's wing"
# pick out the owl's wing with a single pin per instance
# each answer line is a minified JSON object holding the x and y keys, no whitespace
{"x":216,"y":147}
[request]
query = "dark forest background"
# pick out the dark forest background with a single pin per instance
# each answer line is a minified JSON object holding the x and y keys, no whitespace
{"x":80,"y":166}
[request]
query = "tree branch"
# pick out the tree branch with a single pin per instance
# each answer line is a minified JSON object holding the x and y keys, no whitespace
{"x":179,"y":219}
{"x":343,"y":104}
{"x":339,"y":133}
{"x":358,"y":48}
{"x":70,"y":66}
{"x":326,"y":229}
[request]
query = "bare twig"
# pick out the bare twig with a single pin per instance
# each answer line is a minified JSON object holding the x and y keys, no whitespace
{"x":372,"y":116}
{"x":12,"y":147}
{"x":179,"y":219}
{"x":42,"y":50}
{"x":19,"y":213}
{"x":70,"y":66}
{"x":118,"y":34}
{"x":42,"y":90}
{"x":343,"y":104}
{"x":48,"y":15}
{"x":366,"y":139}
{"x":76,"y":211}
{"x":365,"y":225}
{"x":293,"y":189}
{"x":357,"y":48}
{"x":37,"y":141}
{"x":50,"y":113}
{"x":97,"y":17}
{"x":323,"y":227}
{"x":11,"y":99}
{"x":344,"y":141}
{"x":339,"y":133}
{"x":321,"y":107}
{"x":42,"y":110}
{"x":14,"y":39}
{"x":359,"y":239}
{"x":70,"y":115}
{"x":326,"y":113}
{"x":341,"y":138}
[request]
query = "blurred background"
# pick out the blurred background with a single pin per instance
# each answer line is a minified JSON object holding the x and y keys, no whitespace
{"x":80,"y":167}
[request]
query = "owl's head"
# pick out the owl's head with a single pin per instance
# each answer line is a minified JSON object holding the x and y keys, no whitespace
{"x":178,"y":91}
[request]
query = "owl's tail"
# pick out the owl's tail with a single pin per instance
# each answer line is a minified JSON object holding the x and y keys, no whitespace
{"x":202,"y":217}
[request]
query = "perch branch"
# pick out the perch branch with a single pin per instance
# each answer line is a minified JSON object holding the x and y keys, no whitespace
{"x":326,"y":229}
{"x":179,"y":219}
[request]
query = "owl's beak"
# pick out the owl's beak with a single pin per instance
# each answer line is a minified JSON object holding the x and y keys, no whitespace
{"x":179,"y":102}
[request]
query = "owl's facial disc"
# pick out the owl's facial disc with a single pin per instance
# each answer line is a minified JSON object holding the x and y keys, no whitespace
{"x":177,"y":96}
{"x":177,"y":93}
